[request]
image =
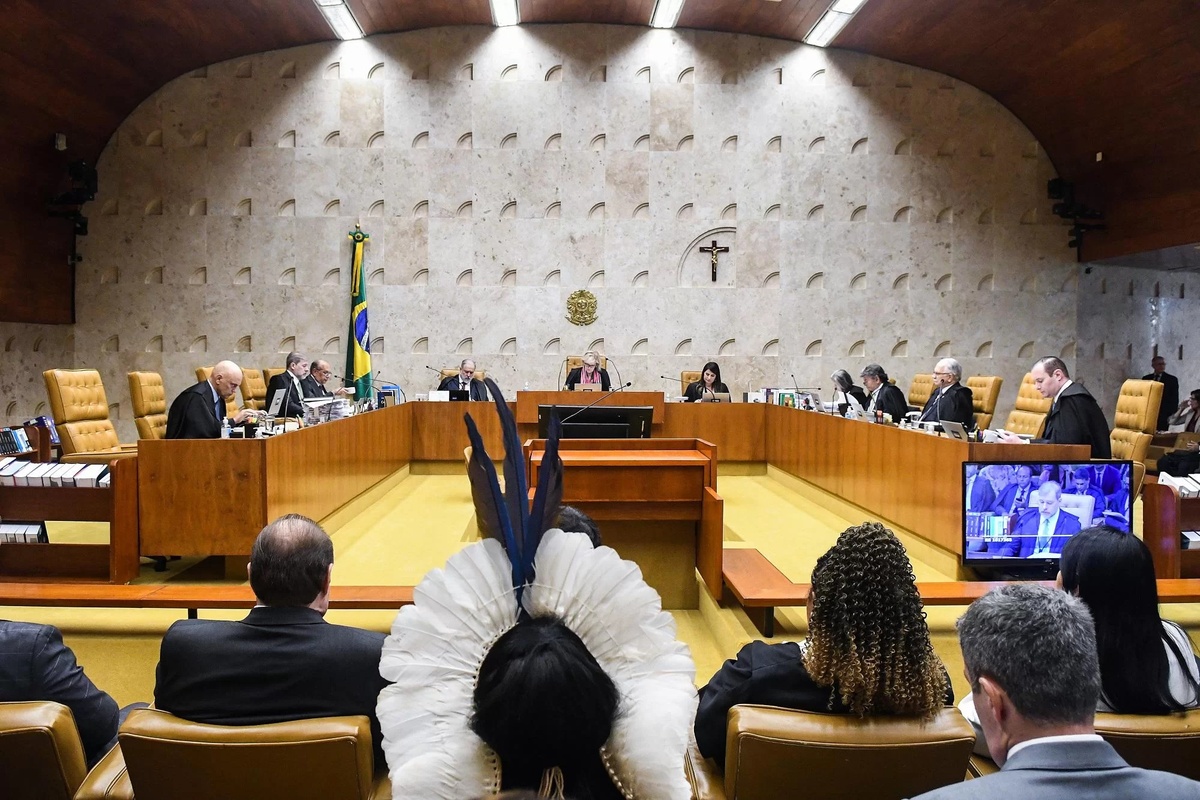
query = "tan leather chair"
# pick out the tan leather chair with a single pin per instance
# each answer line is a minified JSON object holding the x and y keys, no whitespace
{"x":985,"y":392}
{"x":1029,"y":414}
{"x":80,"y":409}
{"x":1137,"y":406}
{"x":149,"y":399}
{"x":1133,"y":445}
{"x":920,"y":390}
{"x":41,"y":757}
{"x":776,"y":752}
{"x":162,"y":757}
{"x":1171,"y":443}
{"x":1170,"y":743}
{"x":1083,"y":506}
{"x":450,"y":372}
{"x":576,"y":362}
{"x":271,"y":372}
{"x":231,"y":407}
{"x":254,"y":389}
{"x":1137,"y":479}
{"x":686,"y":378}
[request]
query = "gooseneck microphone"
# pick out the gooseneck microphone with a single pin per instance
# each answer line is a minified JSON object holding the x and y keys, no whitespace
{"x":613,"y":364}
{"x":579,"y":411}
{"x":562,"y":367}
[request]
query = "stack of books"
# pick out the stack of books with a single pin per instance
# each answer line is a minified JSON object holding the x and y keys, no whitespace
{"x":13,"y":440}
{"x":15,"y":472}
{"x":23,"y":533}
{"x":1187,"y":486}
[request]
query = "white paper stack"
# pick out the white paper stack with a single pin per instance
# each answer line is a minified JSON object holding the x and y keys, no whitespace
{"x":1191,"y":540}
{"x":1184,"y":485}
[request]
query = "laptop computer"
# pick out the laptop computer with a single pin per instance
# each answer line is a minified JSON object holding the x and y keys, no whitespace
{"x":717,"y":397}
{"x":955,"y":430}
{"x":276,"y":402}
{"x":811,"y":401}
{"x":460,"y":394}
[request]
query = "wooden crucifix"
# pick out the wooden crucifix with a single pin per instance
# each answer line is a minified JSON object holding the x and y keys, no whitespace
{"x":714,"y":252}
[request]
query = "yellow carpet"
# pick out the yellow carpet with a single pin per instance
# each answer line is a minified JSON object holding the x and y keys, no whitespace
{"x":416,"y":519}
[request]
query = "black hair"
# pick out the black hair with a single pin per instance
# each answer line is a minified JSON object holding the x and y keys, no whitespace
{"x":1113,"y":573}
{"x":712,"y":367}
{"x":541,"y":701}
{"x":571,"y":518}
{"x":289,"y":561}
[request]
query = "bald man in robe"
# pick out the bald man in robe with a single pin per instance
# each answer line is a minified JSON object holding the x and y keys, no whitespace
{"x":199,"y":411}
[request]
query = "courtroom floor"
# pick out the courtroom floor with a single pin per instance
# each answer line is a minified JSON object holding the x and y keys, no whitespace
{"x":413,"y":521}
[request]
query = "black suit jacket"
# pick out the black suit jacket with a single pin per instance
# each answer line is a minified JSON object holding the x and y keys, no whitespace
{"x":193,"y":414}
{"x":277,"y":664}
{"x":575,"y":375}
{"x":1170,"y":397}
{"x":36,"y":665}
{"x":695,"y":390}
{"x":955,"y":403}
{"x":1076,"y":418}
{"x":476,"y":387}
{"x":310,"y":388}
{"x":890,"y":400}
{"x":294,"y":405}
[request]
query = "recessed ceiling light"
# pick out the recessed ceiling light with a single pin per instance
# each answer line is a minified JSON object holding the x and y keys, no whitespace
{"x":340,"y":19}
{"x":666,"y":13}
{"x":505,"y":12}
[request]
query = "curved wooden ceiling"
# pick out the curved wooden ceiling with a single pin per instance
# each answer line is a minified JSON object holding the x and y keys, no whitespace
{"x":1085,"y":76}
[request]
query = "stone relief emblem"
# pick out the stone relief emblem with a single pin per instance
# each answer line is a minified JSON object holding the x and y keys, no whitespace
{"x":581,"y":307}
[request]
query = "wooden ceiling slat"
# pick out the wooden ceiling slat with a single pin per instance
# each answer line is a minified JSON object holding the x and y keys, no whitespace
{"x":620,"y":12}
{"x":382,"y":16}
{"x":783,"y":20}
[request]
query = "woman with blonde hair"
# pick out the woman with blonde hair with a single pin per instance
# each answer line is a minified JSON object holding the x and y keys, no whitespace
{"x":590,"y":376}
{"x":867,"y":652}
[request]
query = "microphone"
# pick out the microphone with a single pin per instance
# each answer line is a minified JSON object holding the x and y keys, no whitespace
{"x":579,"y":411}
{"x":615,"y":367}
{"x":561,"y":367}
{"x":378,"y":380}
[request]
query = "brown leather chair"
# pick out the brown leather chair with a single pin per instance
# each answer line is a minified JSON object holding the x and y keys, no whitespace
{"x":985,"y":392}
{"x":80,"y":409}
{"x":1162,"y":444}
{"x":254,"y":389}
{"x":1170,"y":743}
{"x":1029,"y":414}
{"x":41,"y":757}
{"x":686,"y":378}
{"x":162,"y":757}
{"x":271,"y":372}
{"x":231,"y":407}
{"x":149,"y":399}
{"x":920,"y":390}
{"x":1135,"y":419}
{"x":777,"y":752}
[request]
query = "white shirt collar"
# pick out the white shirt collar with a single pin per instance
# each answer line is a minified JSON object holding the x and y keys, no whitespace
{"x":1070,"y":737}
{"x":1062,"y":389}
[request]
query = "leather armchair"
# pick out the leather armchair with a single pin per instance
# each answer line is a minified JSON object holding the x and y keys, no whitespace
{"x":1029,"y":414}
{"x":1083,"y":506}
{"x":920,"y":391}
{"x":80,"y":409}
{"x":149,"y":399}
{"x":575,"y":362}
{"x":1133,"y":445}
{"x":450,"y":372}
{"x":1170,"y":743}
{"x":985,"y":392}
{"x":686,"y":378}
{"x":162,"y":757}
{"x":41,"y":757}
{"x":1137,"y":406}
{"x":271,"y":372}
{"x":254,"y":389}
{"x":231,"y":407}
{"x":776,"y":752}
{"x":1167,"y":443}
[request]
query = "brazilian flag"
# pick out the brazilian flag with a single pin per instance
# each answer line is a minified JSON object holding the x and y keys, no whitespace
{"x":358,"y":354}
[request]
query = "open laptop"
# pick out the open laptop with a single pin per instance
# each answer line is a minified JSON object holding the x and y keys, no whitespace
{"x":955,"y":430}
{"x":811,"y":401}
{"x":717,"y":397}
{"x":460,"y":394}
{"x":276,"y":402}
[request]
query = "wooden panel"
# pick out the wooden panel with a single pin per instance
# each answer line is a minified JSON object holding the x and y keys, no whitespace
{"x":738,"y":429}
{"x":621,"y":12}
{"x":193,"y":595}
{"x":787,"y":19}
{"x":65,"y":561}
{"x":439,"y":433}
{"x":380,"y":16}
{"x":710,"y":547}
{"x":528,"y":402}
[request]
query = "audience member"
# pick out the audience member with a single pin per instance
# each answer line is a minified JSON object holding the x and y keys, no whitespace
{"x":1031,"y":661}
{"x":465,"y":381}
{"x":571,"y":518}
{"x":36,"y":665}
{"x":288,"y":382}
{"x":867,"y":652}
{"x":283,"y":661}
{"x":883,"y":395}
{"x":199,"y":411}
{"x":980,"y":494}
{"x":1186,"y":418}
{"x":1004,"y":486}
{"x":1170,"y":392}
{"x":1074,"y":417}
{"x":1081,"y":485}
{"x":708,"y":385}
{"x":950,"y":399}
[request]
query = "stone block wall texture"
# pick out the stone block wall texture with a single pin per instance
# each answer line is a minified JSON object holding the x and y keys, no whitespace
{"x":873,"y":213}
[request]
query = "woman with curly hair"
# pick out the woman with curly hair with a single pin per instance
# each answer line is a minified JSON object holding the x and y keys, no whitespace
{"x":867,"y":652}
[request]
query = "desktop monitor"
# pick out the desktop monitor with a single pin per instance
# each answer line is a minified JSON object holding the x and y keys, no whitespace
{"x":1018,"y":515}
{"x":598,"y":422}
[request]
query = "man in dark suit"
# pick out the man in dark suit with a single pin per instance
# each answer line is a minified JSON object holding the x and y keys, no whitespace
{"x":36,"y":665}
{"x":283,"y":661}
{"x":1081,"y":484}
{"x":882,"y":395}
{"x":1075,"y":416}
{"x":1029,"y":654}
{"x":1042,"y":532}
{"x":313,"y":384}
{"x":199,"y":410}
{"x":288,"y":382}
{"x":979,"y":492}
{"x":950,"y":399}
{"x":464,"y":381}
{"x":1170,"y":392}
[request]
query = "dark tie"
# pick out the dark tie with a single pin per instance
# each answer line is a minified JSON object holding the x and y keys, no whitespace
{"x":217,"y":411}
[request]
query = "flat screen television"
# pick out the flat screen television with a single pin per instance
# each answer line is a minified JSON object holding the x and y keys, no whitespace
{"x":598,"y":422}
{"x":1018,"y":515}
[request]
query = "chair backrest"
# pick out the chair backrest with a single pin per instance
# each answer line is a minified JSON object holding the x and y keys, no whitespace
{"x":776,"y":752}
{"x":149,"y":399}
{"x":80,"y":409}
{"x":1137,"y":406}
{"x":1029,"y":414}
{"x":450,"y":372}
{"x":575,"y":362}
{"x":1133,"y":445}
{"x":1136,"y":479}
{"x":271,"y":372}
{"x":686,"y":378}
{"x":41,"y":757}
{"x":985,"y":392}
{"x":1170,"y":743}
{"x":254,"y":389}
{"x":1082,"y":506}
{"x":920,"y":390}
{"x":309,"y":759}
{"x":231,"y":408}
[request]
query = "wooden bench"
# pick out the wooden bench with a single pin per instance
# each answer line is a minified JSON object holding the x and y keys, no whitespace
{"x":190,"y":596}
{"x":760,"y":588}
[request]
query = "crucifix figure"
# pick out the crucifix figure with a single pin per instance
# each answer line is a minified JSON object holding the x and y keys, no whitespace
{"x":714,"y":251}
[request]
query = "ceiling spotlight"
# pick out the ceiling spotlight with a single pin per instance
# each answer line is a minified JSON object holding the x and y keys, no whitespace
{"x":666,"y":13}
{"x":505,"y":12}
{"x":340,"y":19}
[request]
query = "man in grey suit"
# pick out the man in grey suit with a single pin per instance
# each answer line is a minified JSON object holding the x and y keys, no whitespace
{"x":1030,"y":656}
